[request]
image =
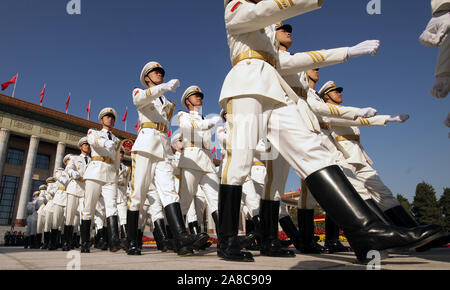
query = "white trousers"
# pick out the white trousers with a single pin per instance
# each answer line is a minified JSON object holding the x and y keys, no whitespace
{"x":380,"y":193}
{"x":251,"y":118}
{"x":122,"y":204}
{"x":145,"y":171}
{"x":155,"y":208}
{"x":191,"y":179}
{"x":58,"y":217}
{"x":197,"y":208}
{"x":93,"y":191}
{"x":250,"y":197}
{"x":100,"y":214}
{"x":72,"y":213}
{"x":40,"y":223}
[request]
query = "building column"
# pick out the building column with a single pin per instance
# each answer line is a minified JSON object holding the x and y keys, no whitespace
{"x":4,"y":138}
{"x":60,"y":150}
{"x":26,"y":182}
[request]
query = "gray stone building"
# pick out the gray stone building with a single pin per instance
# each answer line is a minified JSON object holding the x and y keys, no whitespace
{"x":33,"y":141}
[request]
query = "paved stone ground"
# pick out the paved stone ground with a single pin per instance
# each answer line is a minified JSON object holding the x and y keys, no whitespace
{"x":16,"y":258}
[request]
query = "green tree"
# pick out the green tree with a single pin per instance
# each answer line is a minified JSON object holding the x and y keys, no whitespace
{"x":425,"y":206}
{"x":404,"y":202}
{"x":444,"y":204}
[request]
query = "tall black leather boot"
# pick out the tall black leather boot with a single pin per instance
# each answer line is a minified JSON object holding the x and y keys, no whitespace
{"x":184,"y":243}
{"x":26,"y":242}
{"x":38,"y":241}
{"x":68,"y":237}
{"x":364,"y":230}
{"x":269,"y":213}
{"x":53,"y":240}
{"x":113,"y":233}
{"x":400,"y":217}
{"x":46,"y":240}
{"x":378,"y":211}
{"x":251,"y":230}
{"x":291,"y":230}
{"x":160,"y":231}
{"x":123,"y":237}
{"x":308,"y":244}
{"x":332,"y":243}
{"x":102,"y":243}
{"x":171,"y":246}
{"x":195,"y":229}
{"x":139,"y":239}
{"x":132,"y":224}
{"x":85,"y":233}
{"x":228,"y":247}
{"x":257,"y":222}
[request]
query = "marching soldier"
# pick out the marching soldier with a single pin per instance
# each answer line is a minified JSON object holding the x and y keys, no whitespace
{"x":101,"y":179}
{"x":30,"y":235}
{"x":150,"y":159}
{"x":40,"y":204}
{"x":59,"y":204}
{"x":254,"y":87}
{"x":348,"y":139}
{"x":196,"y":163}
{"x":122,"y":197}
{"x":75,"y":190}
{"x":52,"y":187}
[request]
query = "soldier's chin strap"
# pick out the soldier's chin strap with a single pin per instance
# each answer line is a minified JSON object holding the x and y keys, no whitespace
{"x":332,"y":99}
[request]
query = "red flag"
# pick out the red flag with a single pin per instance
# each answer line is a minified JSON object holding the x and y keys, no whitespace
{"x":137,"y":126}
{"x":11,"y":81}
{"x":214,"y":150}
{"x":169,"y":134}
{"x":67,"y":103}
{"x":88,"y":110}
{"x":42,"y":95}
{"x":125,"y":115}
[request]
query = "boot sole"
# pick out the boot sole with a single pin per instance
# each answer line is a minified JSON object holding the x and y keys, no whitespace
{"x":200,"y":243}
{"x":417,"y":244}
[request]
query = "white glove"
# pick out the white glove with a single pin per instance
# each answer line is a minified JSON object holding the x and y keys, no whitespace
{"x":436,"y":30}
{"x":214,"y":121}
{"x":366,"y":112}
{"x":171,"y":85}
{"x":75,"y":174}
{"x":398,"y":118}
{"x":366,"y":47}
{"x":441,"y":87}
{"x":109,"y":144}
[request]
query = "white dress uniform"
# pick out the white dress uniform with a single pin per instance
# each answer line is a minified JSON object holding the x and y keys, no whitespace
{"x":122,"y":195}
{"x":60,"y":198}
{"x":101,"y":173}
{"x":48,"y":209}
{"x":151,"y":151}
{"x":196,"y":163}
{"x":75,"y":190}
{"x":348,"y":139}
{"x":254,"y":87}
{"x":40,"y":204}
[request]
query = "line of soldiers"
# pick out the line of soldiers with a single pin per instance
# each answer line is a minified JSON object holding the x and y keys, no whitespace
{"x":272,"y":120}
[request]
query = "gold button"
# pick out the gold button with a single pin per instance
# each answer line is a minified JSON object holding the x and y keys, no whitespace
{"x":249,"y":62}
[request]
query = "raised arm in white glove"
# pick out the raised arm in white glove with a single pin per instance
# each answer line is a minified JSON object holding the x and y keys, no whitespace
{"x":398,"y":118}
{"x":109,"y":144}
{"x":367,"y":112}
{"x":214,"y":121}
{"x":365,"y":47}
{"x":436,"y":30}
{"x":441,"y":87}
{"x":171,"y":85}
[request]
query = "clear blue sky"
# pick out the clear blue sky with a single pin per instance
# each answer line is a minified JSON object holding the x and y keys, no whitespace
{"x":99,"y":54}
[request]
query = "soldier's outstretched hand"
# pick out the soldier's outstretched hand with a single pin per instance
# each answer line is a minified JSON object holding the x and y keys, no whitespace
{"x":172,"y":85}
{"x":398,"y":118}
{"x":367,"y":112}
{"x":365,"y":47}
{"x":436,"y":30}
{"x":441,"y":87}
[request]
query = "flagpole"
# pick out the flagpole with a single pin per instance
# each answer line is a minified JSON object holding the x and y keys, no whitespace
{"x":14,"y":90}
{"x":89,"y":112}
{"x":67,"y":107}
